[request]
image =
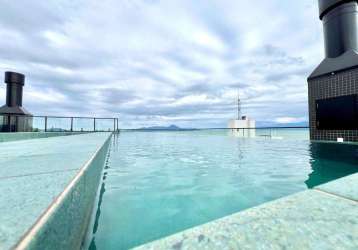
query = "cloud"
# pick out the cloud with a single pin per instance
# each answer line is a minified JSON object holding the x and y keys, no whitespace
{"x":153,"y":62}
{"x":290,"y":119}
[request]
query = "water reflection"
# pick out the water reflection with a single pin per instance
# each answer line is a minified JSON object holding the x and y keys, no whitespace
{"x":330,"y":161}
{"x":242,"y":132}
{"x":98,"y":214}
{"x":180,"y":180}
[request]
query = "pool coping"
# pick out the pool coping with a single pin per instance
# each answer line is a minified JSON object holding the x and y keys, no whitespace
{"x":259,"y":226}
{"x":335,"y":142}
{"x":32,"y":238}
{"x":19,"y":136}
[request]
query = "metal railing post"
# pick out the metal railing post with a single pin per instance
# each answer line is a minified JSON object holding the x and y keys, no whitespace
{"x":45,"y":123}
{"x":7,"y":124}
{"x":16,"y":128}
{"x":14,"y":123}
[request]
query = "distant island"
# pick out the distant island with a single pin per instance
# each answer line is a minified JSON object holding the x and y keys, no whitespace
{"x":164,"y":128}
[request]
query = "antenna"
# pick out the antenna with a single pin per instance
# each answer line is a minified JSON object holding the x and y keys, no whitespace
{"x":238,"y":106}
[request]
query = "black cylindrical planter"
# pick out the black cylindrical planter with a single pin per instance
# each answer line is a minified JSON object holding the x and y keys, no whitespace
{"x":340,"y":22}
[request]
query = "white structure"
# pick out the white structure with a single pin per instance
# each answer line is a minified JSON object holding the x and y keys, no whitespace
{"x":242,"y":126}
{"x":244,"y":123}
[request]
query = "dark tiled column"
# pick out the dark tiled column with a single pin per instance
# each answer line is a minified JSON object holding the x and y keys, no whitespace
{"x":328,"y":86}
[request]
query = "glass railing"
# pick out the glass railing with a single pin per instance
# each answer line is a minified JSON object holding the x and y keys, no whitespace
{"x":23,"y":123}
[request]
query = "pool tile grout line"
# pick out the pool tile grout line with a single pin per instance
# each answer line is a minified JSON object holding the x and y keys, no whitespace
{"x":25,"y":240}
{"x":333,"y":194}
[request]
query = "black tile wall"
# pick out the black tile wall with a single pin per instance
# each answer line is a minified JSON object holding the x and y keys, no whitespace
{"x":334,"y":85}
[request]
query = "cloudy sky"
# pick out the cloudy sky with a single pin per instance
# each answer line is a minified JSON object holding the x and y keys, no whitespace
{"x":161,"y":62}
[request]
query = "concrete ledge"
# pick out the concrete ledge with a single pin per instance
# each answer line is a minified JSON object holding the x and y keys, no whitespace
{"x":346,"y":187}
{"x":5,"y":137}
{"x":50,"y":210}
{"x":313,"y":219}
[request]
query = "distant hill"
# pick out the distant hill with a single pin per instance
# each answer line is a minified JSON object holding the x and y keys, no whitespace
{"x":164,"y":128}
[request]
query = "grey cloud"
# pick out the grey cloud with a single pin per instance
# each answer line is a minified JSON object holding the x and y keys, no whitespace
{"x":27,"y":16}
{"x":183,"y":59}
{"x":139,"y":67}
{"x":285,"y":74}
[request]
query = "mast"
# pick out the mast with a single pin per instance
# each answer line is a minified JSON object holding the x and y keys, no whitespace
{"x":238,"y":106}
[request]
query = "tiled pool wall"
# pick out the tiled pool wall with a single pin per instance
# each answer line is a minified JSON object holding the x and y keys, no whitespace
{"x":328,"y":86}
{"x":321,"y":218}
{"x":64,"y":224}
{"x":5,"y":137}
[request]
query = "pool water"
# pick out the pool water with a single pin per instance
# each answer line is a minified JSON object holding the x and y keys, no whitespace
{"x":160,"y":183}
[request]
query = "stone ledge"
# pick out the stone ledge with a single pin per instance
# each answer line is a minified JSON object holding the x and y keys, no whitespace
{"x":346,"y":187}
{"x":6,"y":137}
{"x":311,"y":219}
{"x":50,"y":210}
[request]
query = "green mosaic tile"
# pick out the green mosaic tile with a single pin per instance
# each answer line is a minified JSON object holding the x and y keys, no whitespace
{"x":28,"y":194}
{"x":24,"y":199}
{"x":67,"y":226}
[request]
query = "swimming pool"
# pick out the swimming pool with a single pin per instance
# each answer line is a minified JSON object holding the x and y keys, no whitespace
{"x":159,"y":183}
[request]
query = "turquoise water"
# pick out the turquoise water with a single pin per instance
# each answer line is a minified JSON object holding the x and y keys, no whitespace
{"x":160,"y":183}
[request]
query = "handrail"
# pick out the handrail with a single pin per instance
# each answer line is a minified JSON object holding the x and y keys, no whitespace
{"x":190,"y":129}
{"x":18,"y":123}
{"x":261,"y":128}
{"x":54,"y":116}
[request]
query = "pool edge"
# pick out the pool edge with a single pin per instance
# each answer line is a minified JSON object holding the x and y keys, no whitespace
{"x":72,"y":208}
{"x":21,"y":136}
{"x":236,"y":230}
